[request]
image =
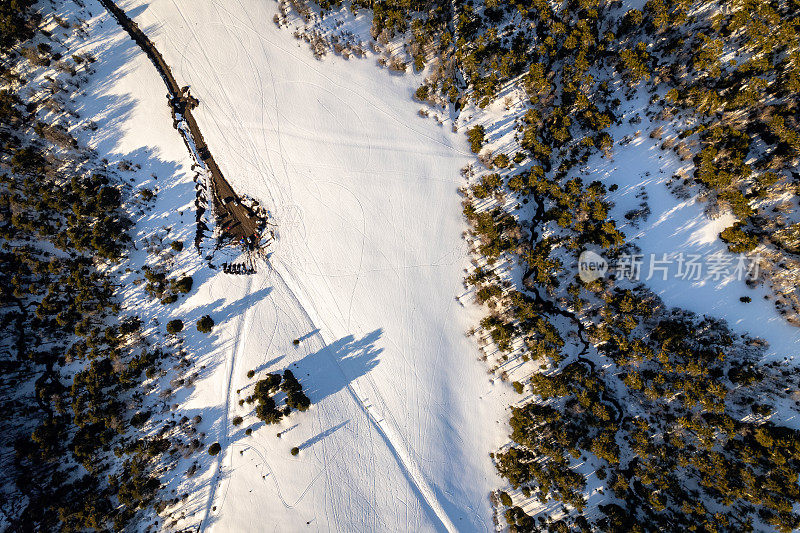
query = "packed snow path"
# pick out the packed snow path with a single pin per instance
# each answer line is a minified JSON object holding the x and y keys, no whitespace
{"x":365,"y":273}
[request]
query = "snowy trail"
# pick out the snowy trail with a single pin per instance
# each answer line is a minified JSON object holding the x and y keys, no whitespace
{"x":244,"y":323}
{"x":242,"y":329}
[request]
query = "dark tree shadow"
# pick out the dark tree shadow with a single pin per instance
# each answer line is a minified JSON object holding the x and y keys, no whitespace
{"x":263,"y":366}
{"x":315,"y":439}
{"x":309,"y":335}
{"x":335,"y":366}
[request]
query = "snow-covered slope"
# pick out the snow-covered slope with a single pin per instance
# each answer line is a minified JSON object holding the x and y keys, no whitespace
{"x":365,"y":272}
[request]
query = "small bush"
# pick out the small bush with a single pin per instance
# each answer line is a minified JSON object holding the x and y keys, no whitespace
{"x":505,"y":499}
{"x":184,"y":284}
{"x":139,"y":419}
{"x":248,"y":431}
{"x":214,"y":449}
{"x":237,"y":420}
{"x":267,"y":411}
{"x":130,"y":325}
{"x":169,"y":299}
{"x":295,"y":450}
{"x":738,"y":240}
{"x":251,"y":373}
{"x":501,"y":161}
{"x":519,"y":387}
{"x":174,"y":326}
{"x":761,"y":409}
{"x":177,"y":246}
{"x":268,"y":385}
{"x":290,"y":382}
{"x":296,"y":342}
{"x":477,"y":137}
{"x":745,"y":299}
{"x":205,"y":324}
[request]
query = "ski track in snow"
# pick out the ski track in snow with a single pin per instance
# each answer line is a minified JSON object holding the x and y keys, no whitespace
{"x":387,"y":431}
{"x":393,"y":438}
{"x":244,"y":322}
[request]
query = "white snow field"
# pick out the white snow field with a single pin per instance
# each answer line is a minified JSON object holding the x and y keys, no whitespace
{"x":365,"y":272}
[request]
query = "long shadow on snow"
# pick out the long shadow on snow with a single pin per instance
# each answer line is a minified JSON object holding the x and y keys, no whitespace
{"x":114,"y":57}
{"x":331,"y":370}
{"x":334,"y":367}
{"x":315,"y":439}
{"x":327,"y":371}
{"x":233,"y":309}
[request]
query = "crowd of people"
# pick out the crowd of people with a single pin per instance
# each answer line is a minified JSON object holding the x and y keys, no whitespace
{"x":237,"y":268}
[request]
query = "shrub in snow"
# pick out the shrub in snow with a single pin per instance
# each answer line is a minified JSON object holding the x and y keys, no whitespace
{"x":290,"y":382}
{"x":267,"y":412}
{"x":214,"y":449}
{"x":296,"y":399}
{"x":184,"y":284}
{"x":174,"y":326}
{"x":268,"y":385}
{"x":139,"y":419}
{"x":477,"y":136}
{"x":205,"y":324}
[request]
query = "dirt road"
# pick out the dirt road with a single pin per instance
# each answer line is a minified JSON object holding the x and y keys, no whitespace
{"x":237,"y":220}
